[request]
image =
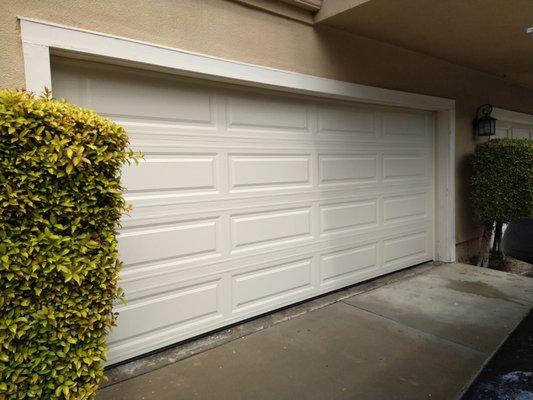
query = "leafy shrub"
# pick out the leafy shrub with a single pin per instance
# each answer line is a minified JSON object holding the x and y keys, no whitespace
{"x":502,"y":183}
{"x":60,"y":204}
{"x":502,"y":188}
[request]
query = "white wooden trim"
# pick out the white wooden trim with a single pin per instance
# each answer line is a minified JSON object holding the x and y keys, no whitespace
{"x":512,"y":116}
{"x":445,"y":186}
{"x":40,"y":38}
{"x":37,"y":66}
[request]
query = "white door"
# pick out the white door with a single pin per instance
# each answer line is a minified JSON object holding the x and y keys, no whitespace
{"x":249,"y":200}
{"x":505,"y":129}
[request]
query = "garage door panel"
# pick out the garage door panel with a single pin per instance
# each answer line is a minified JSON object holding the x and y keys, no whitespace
{"x":171,"y":172}
{"x":341,"y":217}
{"x":271,"y":284}
{"x":348,"y":123}
{"x":405,"y":166}
{"x":403,"y":247}
{"x":275,"y":227}
{"x":342,"y":169}
{"x":136,"y":96}
{"x":170,"y":241}
{"x":405,"y":207}
{"x":347,"y":263}
{"x":248,"y":200}
{"x":404,"y":127}
{"x":267,"y":113}
{"x":178,"y":307}
{"x":269,"y":171}
{"x":166,"y":315}
{"x":142,"y":103}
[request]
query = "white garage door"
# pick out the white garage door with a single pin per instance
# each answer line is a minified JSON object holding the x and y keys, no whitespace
{"x":511,"y":130}
{"x":249,"y":200}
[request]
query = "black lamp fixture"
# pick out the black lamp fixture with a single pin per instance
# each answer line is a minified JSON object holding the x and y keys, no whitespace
{"x":484,"y":124}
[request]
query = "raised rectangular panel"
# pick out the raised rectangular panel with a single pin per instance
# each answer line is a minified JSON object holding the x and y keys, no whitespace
{"x":345,"y":263}
{"x":140,"y":96}
{"x":172,"y":240}
{"x":339,"y":217}
{"x":347,"y":168}
{"x":520,"y":133}
{"x":404,"y":247}
{"x":270,"y":227}
{"x":266,"y":113}
{"x":272,"y":283}
{"x":353,"y":122}
{"x":401,"y":208}
{"x":402,"y":126}
{"x":399,"y":166}
{"x":264,"y":170}
{"x":171,"y":172}
{"x":183,"y":306}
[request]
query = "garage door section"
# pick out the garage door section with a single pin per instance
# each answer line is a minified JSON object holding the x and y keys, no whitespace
{"x":249,"y":200}
{"x":512,"y":130}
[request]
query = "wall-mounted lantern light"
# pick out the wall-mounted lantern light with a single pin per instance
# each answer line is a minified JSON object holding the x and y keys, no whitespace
{"x":484,"y":124}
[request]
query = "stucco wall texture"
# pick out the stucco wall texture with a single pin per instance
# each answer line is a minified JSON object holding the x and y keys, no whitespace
{"x":231,"y":30}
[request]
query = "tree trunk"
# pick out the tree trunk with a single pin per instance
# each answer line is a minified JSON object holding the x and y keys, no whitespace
{"x":496,"y":247}
{"x":484,"y":242}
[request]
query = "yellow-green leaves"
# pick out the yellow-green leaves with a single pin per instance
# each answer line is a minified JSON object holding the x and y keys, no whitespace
{"x":60,"y":204}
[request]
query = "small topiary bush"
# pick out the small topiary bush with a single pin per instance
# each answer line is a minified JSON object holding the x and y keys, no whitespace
{"x":60,"y":205}
{"x":502,"y":184}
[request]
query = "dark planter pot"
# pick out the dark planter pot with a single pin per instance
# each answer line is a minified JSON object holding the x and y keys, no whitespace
{"x":517,"y":240}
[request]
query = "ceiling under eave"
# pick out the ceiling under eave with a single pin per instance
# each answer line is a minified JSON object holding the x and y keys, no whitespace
{"x":486,"y":35}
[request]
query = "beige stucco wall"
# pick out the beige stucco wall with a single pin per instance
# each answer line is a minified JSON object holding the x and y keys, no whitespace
{"x":234,"y":31}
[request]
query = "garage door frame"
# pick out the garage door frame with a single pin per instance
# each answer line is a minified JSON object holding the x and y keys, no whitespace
{"x":41,"y":39}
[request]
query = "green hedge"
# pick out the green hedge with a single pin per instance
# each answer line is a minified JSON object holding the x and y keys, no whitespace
{"x":502,"y":183}
{"x":60,"y":205}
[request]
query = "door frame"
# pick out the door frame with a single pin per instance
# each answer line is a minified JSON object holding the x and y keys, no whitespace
{"x":42,"y":39}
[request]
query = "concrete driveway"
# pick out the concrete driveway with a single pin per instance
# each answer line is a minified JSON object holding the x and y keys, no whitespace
{"x":419,"y":334}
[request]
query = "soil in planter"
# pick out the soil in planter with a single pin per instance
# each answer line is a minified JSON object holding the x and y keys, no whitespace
{"x":513,"y":266}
